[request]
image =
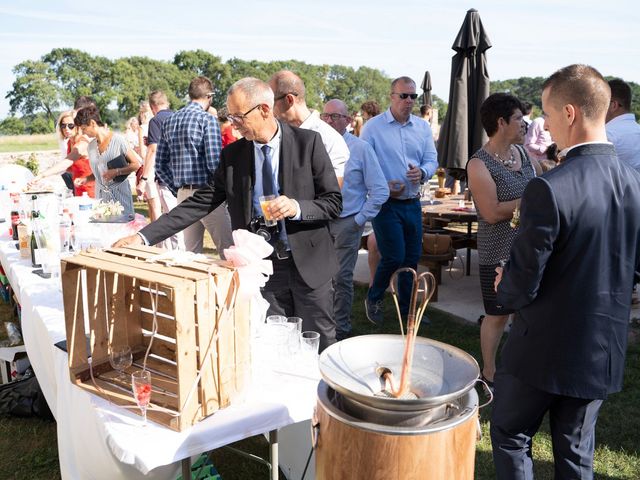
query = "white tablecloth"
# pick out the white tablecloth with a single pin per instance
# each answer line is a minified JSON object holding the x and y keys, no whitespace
{"x":98,"y":440}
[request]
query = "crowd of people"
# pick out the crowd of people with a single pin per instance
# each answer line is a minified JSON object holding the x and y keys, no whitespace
{"x":558,"y":201}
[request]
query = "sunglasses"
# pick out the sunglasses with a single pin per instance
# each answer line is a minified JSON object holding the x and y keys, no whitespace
{"x":332,"y":116}
{"x":70,"y":126}
{"x":280,"y":97}
{"x":404,"y":96}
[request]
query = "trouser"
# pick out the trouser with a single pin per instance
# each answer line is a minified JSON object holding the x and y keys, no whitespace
{"x":398,"y":229}
{"x":518,"y":410}
{"x":168,"y":201}
{"x":346,"y":235}
{"x":217,"y":224}
{"x":289,"y":295}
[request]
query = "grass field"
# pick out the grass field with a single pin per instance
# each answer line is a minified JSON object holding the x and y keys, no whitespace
{"x":28,"y":143}
{"x":28,"y":447}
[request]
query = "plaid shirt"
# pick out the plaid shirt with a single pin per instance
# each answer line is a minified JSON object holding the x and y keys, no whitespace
{"x":189,"y":148}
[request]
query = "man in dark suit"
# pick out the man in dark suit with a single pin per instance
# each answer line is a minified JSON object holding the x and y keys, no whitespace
{"x":570,"y":277}
{"x":294,"y":164}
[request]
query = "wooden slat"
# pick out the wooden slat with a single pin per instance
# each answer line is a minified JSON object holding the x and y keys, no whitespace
{"x":164,"y":303}
{"x":134,"y":320}
{"x":162,"y":348}
{"x":186,"y":351}
{"x":209,"y":394}
{"x":74,"y":322}
{"x":166,"y":326}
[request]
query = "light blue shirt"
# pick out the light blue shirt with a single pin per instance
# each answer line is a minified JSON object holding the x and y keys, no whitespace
{"x":258,"y":155}
{"x":400,"y":145}
{"x":364,"y":188}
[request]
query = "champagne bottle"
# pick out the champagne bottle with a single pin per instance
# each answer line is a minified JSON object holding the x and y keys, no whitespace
{"x":34,"y":230}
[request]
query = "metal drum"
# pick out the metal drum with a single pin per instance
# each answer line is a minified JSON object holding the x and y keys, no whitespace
{"x":360,"y":432}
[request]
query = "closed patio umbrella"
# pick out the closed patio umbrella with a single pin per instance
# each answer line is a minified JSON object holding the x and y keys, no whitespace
{"x":462,"y":134}
{"x":426,"y":89}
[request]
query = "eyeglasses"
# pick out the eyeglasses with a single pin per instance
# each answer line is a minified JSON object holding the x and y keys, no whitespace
{"x":404,"y":96}
{"x":239,"y":118}
{"x":280,"y":97}
{"x":70,"y":126}
{"x":332,"y":116}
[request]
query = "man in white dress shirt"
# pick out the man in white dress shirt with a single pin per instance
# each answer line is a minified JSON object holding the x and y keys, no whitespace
{"x":622,"y":129}
{"x":290,"y":107}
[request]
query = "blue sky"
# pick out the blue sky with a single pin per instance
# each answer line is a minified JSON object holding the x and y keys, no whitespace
{"x":530,"y":38}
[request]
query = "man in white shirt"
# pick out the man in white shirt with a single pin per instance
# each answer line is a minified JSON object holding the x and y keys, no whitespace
{"x":290,"y":107}
{"x":622,"y":129}
{"x":537,"y":139}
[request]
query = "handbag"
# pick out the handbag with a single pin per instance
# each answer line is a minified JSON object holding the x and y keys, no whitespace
{"x":436,"y":244}
{"x":119,"y":162}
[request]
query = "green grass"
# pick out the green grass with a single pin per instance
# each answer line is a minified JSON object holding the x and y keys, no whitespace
{"x":28,"y":447}
{"x":28,"y":143}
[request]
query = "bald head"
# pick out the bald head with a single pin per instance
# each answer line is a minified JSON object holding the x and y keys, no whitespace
{"x":335,"y":113}
{"x":286,"y":82}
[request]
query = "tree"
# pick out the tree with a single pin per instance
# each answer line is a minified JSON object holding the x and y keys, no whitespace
{"x":194,"y":63}
{"x":12,"y":126}
{"x":35,"y":89}
{"x":40,"y":125}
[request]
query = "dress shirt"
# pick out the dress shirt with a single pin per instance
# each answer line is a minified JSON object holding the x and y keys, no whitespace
{"x":624,"y":132}
{"x":365,"y":188}
{"x":398,"y":145}
{"x":274,"y":143}
{"x":189,"y":148}
{"x":332,"y":140}
{"x":537,"y":139}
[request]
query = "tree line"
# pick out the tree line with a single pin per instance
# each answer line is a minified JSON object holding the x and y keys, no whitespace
{"x":45,"y":87}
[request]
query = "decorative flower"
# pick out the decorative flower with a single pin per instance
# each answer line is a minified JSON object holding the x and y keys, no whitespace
{"x":108,"y":209}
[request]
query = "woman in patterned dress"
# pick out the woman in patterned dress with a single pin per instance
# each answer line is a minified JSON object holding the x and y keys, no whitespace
{"x":497,"y":175}
{"x":106,"y":147}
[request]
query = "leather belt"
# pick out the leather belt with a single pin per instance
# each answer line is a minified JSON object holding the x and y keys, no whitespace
{"x":404,"y":200}
{"x":192,"y":186}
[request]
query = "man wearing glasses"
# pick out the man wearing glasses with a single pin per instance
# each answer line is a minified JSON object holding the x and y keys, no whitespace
{"x":364,"y":190}
{"x":291,"y":107}
{"x":292,"y":164}
{"x":404,"y":145}
{"x":186,"y":158}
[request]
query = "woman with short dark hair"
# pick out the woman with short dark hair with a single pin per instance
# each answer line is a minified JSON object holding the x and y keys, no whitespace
{"x":106,"y":147}
{"x":497,"y":174}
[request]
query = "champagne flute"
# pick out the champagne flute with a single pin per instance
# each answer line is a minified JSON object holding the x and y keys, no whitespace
{"x":120,"y":359}
{"x":141,"y":387}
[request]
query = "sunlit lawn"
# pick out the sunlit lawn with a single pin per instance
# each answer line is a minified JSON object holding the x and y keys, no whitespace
{"x":28,"y":143}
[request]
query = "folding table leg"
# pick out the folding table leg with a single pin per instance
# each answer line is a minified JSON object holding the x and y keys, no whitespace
{"x":273,"y":446}
{"x":186,"y":468}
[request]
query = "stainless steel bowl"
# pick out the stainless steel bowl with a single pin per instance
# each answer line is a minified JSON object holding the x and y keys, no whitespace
{"x":440,"y":374}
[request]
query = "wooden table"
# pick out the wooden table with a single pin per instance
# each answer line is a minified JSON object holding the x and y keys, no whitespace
{"x":450,"y":209}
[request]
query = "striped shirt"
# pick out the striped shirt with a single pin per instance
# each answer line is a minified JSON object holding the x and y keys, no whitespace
{"x":189,"y":148}
{"x":120,"y":192}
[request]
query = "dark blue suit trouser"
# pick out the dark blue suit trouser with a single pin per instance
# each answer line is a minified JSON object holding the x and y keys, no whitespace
{"x":517,"y":413}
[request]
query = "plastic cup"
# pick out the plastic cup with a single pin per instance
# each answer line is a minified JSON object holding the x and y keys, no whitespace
{"x":297,"y":321}
{"x":310,"y":343}
{"x":276,"y":319}
{"x":264,"y":204}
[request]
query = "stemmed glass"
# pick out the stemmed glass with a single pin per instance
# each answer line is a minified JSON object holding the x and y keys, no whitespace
{"x":120,"y":359}
{"x":141,"y":387}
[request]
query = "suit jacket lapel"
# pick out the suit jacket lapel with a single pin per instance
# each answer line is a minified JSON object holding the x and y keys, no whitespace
{"x":285,"y":166}
{"x":248,"y":177}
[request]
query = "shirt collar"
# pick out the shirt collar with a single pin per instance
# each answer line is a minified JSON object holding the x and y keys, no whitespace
{"x":388,"y":116}
{"x":563,"y":152}
{"x":622,"y":118}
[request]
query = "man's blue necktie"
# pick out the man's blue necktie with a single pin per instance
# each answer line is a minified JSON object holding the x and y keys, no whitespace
{"x":267,"y":173}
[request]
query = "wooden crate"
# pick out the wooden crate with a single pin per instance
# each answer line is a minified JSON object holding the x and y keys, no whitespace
{"x":193,"y":376}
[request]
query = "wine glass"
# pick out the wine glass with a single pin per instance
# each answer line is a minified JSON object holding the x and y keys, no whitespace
{"x":120,"y":359}
{"x":141,"y":387}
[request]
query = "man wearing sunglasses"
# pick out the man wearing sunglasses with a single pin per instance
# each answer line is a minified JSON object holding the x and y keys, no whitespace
{"x":187,"y":154}
{"x":292,"y":164}
{"x":404,"y":145}
{"x":290,"y":106}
